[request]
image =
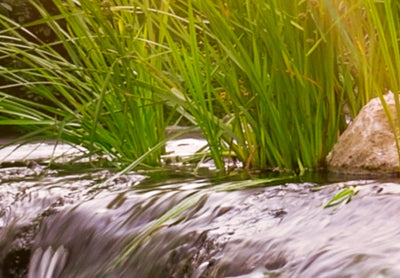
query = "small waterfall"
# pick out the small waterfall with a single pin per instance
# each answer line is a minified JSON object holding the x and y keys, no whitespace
{"x":47,"y":263}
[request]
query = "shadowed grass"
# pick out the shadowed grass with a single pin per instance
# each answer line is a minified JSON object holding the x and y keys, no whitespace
{"x":106,"y":100}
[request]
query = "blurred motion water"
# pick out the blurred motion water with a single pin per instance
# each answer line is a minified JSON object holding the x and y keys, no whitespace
{"x":59,"y":223}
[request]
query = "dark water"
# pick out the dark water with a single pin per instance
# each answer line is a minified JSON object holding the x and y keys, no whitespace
{"x":59,"y":224}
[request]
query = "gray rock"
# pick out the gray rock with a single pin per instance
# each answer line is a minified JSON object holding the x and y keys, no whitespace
{"x":368,"y":144}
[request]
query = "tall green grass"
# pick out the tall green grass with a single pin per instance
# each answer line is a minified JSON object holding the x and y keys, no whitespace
{"x":99,"y":94}
{"x":261,"y":78}
{"x":267,"y":82}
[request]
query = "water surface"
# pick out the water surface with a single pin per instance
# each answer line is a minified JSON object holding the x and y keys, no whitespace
{"x":59,"y":223}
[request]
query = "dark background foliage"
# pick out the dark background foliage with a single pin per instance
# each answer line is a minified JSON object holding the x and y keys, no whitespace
{"x":23,"y":12}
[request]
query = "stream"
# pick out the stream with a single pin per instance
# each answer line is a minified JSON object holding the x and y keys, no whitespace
{"x":173,"y":223}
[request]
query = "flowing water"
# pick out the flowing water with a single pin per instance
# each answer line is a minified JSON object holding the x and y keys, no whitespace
{"x":68,"y":223}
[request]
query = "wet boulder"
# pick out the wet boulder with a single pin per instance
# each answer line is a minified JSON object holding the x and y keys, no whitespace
{"x":368,"y":144}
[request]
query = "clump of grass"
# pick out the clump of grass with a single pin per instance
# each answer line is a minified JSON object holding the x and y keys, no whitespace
{"x":106,"y":98}
{"x":266,"y":81}
{"x":261,"y":79}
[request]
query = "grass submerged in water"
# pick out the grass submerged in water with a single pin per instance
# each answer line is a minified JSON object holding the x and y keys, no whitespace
{"x":267,"y":82}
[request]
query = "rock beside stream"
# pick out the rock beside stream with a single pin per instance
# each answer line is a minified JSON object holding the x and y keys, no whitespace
{"x":368,"y":145}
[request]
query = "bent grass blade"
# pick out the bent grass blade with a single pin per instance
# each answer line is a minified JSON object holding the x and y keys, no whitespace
{"x":188,"y":202}
{"x":343,"y":197}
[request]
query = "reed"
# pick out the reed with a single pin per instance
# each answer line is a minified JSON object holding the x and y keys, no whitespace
{"x":99,"y":94}
{"x":261,"y":79}
{"x":267,"y":82}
